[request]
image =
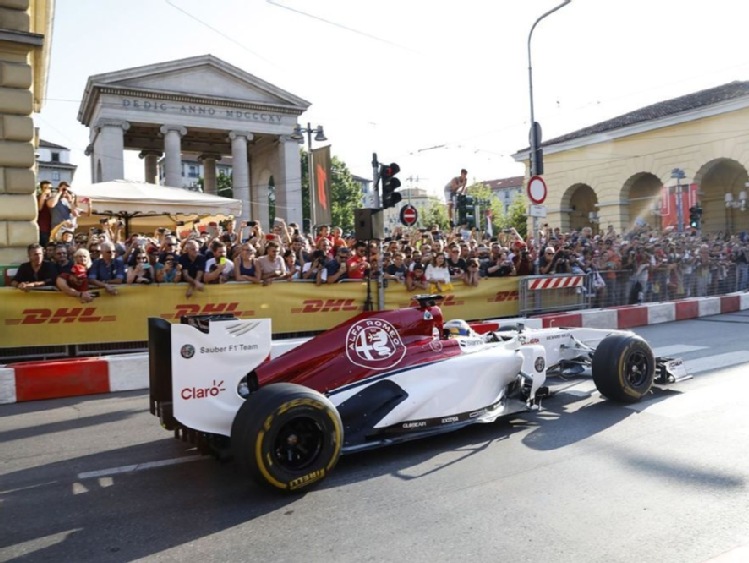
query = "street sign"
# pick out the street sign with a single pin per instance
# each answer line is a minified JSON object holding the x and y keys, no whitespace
{"x":537,"y":211}
{"x":537,"y":190}
{"x":409,"y":215}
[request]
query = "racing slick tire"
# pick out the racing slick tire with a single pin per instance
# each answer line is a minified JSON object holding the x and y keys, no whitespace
{"x":623,"y":368}
{"x":287,"y":436}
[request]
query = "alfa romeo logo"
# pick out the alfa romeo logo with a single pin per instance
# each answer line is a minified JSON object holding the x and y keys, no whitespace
{"x":374,"y":344}
{"x":187,"y":351}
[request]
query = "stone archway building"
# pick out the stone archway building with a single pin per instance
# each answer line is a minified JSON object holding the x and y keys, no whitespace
{"x":614,"y":172}
{"x":205,"y":108}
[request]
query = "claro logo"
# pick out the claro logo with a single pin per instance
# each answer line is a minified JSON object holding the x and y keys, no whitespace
{"x":209,"y":309}
{"x":188,"y":393}
{"x":61,"y":316}
{"x":501,"y":296}
{"x":328,"y":306}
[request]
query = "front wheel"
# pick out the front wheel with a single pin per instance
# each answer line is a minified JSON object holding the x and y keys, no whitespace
{"x":287,"y":436}
{"x":623,"y":368}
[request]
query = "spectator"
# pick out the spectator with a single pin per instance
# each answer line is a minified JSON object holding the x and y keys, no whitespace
{"x":61,"y":204}
{"x":44,"y":215}
{"x":524,"y":262}
{"x":74,"y":281}
{"x":335,"y":269}
{"x":108,"y":271}
{"x":416,"y":279}
{"x":357,"y":265}
{"x":438,"y":275}
{"x":218,"y":268}
{"x":140,"y":272}
{"x":472,"y":275}
{"x":455,"y":187}
{"x":396,"y":270}
{"x":293,"y":269}
{"x":455,"y":262}
{"x":311,"y":269}
{"x":245,"y":268}
{"x":501,"y":266}
{"x":36,"y":272}
{"x":171,"y":272}
{"x":62,"y":263}
{"x":271,"y":266}
{"x":193,"y":267}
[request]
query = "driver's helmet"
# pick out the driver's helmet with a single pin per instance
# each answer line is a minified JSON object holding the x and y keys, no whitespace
{"x":458,"y":327}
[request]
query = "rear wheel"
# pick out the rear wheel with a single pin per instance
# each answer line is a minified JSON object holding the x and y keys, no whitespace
{"x":623,"y":368}
{"x":287,"y":436}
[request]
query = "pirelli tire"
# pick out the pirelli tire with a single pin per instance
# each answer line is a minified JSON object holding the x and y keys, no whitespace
{"x":623,"y":368}
{"x":287,"y":437}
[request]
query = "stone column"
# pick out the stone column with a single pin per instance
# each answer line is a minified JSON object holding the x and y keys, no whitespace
{"x":151,"y":165}
{"x":209,"y":172}
{"x":173,"y":154}
{"x":241,"y":170}
{"x":289,"y":180}
{"x":109,"y":149}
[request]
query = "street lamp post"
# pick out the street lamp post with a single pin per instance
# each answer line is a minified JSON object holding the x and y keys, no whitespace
{"x":535,"y":127}
{"x":535,"y":134}
{"x":319,"y":136}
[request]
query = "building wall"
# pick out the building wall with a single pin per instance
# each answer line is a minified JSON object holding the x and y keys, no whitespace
{"x":610,"y":167}
{"x":24,"y":55}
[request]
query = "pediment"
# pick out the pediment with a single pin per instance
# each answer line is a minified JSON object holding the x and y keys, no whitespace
{"x":205,"y":76}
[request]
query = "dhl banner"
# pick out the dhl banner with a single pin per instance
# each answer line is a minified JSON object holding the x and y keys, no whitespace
{"x":50,"y":318}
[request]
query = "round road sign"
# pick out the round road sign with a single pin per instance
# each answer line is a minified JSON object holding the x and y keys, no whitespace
{"x":537,"y":190}
{"x":409,"y":215}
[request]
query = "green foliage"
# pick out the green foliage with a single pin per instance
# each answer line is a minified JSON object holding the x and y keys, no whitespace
{"x":517,"y":215}
{"x":435,"y":214}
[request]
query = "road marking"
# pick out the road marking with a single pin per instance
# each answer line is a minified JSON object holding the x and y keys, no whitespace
{"x":137,"y":467}
{"x":676,"y":350}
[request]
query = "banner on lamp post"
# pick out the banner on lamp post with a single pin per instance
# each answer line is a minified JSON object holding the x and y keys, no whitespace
{"x":321,"y":185}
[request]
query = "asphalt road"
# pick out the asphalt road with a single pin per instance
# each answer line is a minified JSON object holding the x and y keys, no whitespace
{"x":667,"y":480}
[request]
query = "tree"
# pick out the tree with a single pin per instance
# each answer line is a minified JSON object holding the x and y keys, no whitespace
{"x":435,"y":214}
{"x":517,"y":215}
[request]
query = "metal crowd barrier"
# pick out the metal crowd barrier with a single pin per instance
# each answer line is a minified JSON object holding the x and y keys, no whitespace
{"x":558,"y":292}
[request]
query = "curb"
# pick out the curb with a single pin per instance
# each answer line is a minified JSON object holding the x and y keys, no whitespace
{"x":76,"y":377}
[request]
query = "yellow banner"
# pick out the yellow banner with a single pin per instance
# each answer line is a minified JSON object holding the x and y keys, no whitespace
{"x":49,"y":318}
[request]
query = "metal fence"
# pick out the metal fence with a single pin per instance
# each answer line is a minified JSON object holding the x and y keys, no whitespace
{"x":559,"y":292}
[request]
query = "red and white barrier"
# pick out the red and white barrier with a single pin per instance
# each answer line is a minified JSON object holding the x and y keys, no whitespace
{"x":553,"y":282}
{"x":74,"y":377}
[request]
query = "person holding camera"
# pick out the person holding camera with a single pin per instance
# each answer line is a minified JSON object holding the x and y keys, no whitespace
{"x":140,"y":272}
{"x":501,"y":267}
{"x":61,"y":204}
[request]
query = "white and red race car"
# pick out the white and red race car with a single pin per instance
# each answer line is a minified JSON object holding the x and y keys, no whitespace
{"x":287,"y":410}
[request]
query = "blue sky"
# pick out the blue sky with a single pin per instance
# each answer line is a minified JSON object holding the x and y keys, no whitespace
{"x":433,"y":86}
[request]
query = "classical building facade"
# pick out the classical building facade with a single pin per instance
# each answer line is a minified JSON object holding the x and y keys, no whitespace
{"x":198,"y":109}
{"x":620,"y":171}
{"x":25,"y":40}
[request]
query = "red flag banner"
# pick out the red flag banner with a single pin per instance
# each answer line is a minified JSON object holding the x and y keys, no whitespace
{"x":321,"y":185}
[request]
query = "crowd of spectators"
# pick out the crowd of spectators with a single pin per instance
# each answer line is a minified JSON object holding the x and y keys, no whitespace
{"x":641,"y":265}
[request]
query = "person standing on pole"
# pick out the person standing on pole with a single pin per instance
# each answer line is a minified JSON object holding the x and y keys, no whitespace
{"x":453,"y":189}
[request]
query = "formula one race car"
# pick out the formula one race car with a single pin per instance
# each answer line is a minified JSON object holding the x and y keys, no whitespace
{"x":286,"y":410}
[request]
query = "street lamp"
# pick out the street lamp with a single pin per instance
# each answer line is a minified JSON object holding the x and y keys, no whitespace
{"x":298,"y":134}
{"x":535,"y":134}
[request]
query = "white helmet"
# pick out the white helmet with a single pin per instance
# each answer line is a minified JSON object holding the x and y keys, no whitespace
{"x":458,"y":327}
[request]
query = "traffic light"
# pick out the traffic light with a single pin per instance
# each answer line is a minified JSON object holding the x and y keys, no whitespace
{"x":466,"y":206}
{"x":389,"y":184}
{"x":695,"y":217}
